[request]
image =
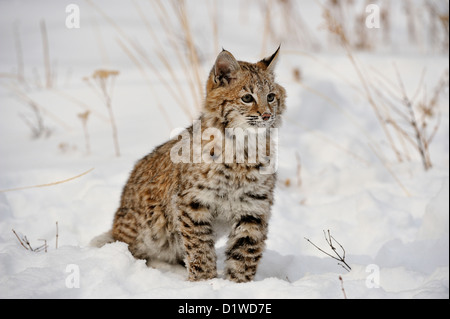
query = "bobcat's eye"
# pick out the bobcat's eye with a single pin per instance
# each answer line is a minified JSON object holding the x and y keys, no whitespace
{"x":247,"y":98}
{"x":271,"y":97}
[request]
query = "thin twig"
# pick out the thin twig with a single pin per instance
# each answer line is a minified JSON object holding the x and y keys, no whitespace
{"x":25,"y":98}
{"x":23,"y":240}
{"x":43,"y":246}
{"x":27,"y":243}
{"x":423,"y":150}
{"x":299,"y":170}
{"x":57,"y":235}
{"x":329,"y":241}
{"x":84,"y":118}
{"x":77,"y":102}
{"x":342,"y":287}
{"x":18,"y":238}
{"x":45,"y":46}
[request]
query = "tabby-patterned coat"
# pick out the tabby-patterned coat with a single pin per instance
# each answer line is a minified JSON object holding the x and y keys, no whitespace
{"x":174,"y":211}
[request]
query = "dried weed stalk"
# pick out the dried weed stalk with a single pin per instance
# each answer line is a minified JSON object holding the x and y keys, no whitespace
{"x":46,"y":52}
{"x":48,"y":184}
{"x":377,"y":96}
{"x":84,"y":118}
{"x":338,"y":256}
{"x":23,"y":240}
{"x":414,"y":121}
{"x":173,"y":19}
{"x":342,"y":287}
{"x":25,"y":243}
{"x":36,"y":122}
{"x":102,"y":82}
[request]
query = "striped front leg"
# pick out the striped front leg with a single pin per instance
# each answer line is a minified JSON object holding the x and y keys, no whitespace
{"x":245,"y":247}
{"x":198,"y":240}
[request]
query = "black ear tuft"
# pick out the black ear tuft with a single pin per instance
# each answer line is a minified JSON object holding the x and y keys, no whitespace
{"x":224,"y":68}
{"x":270,"y":62}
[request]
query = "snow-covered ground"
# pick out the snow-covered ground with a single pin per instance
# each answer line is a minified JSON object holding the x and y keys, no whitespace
{"x":336,"y":170}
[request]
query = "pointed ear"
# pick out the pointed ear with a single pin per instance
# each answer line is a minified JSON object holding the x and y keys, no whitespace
{"x":270,"y":62}
{"x":224,"y":68}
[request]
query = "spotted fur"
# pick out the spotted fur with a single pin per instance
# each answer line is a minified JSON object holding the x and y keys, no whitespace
{"x":174,"y":212}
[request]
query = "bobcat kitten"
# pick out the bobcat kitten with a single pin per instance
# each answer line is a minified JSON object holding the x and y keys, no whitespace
{"x":174,"y":211}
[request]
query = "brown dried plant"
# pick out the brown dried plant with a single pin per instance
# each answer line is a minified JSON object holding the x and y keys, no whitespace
{"x":25,"y":243}
{"x":102,"y":82}
{"x":84,"y":118}
{"x":414,"y":121}
{"x":376,"y":95}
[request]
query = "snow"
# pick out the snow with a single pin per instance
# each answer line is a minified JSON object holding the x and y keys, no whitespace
{"x":392,"y":218}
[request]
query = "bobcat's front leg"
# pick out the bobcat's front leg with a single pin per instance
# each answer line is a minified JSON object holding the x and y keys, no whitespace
{"x":198,"y":240}
{"x":245,"y":247}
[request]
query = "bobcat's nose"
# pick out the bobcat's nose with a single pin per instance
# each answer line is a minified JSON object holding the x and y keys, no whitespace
{"x":266,"y":116}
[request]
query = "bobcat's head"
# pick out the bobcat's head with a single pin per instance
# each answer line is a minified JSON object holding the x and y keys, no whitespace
{"x":245,"y":95}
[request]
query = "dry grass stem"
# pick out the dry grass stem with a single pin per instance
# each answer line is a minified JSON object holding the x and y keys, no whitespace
{"x":165,"y":22}
{"x":84,"y":118}
{"x":162,"y":56}
{"x":147,"y":79}
{"x":422,"y":145}
{"x":342,"y":287}
{"x":299,"y":170}
{"x":175,"y":93}
{"x":296,"y":30}
{"x":379,"y":102}
{"x":36,"y":107}
{"x":48,"y":71}
{"x":36,"y":124}
{"x":48,"y":184}
{"x":105,"y":80}
{"x":411,"y":118}
{"x":179,"y":7}
{"x":57,"y":235}
{"x":79,"y":103}
{"x":25,"y":243}
{"x":170,"y":33}
{"x":214,"y":14}
{"x":45,"y":244}
{"x":267,"y":8}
